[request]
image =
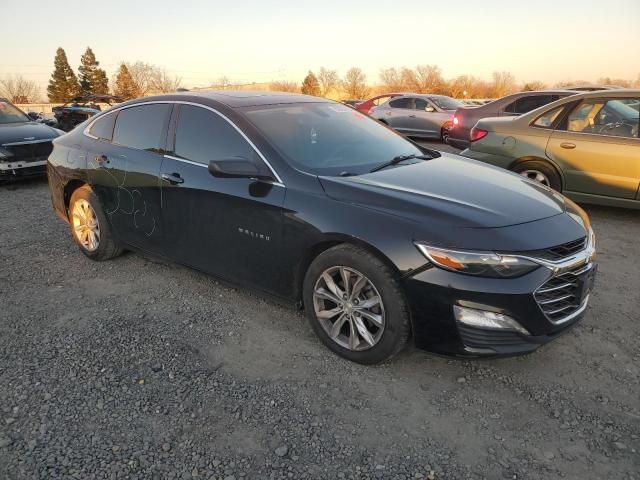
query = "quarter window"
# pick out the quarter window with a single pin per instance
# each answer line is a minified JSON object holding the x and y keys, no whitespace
{"x":143,"y":127}
{"x":605,"y":116}
{"x":202,"y":136}
{"x":103,"y":127}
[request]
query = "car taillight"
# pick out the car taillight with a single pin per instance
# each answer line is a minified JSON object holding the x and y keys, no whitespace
{"x":477,"y":134}
{"x":455,"y":120}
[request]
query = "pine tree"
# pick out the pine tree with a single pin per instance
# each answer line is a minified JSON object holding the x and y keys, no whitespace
{"x":63,"y":85}
{"x":125,"y":87}
{"x":93,"y":79}
{"x":310,"y":85}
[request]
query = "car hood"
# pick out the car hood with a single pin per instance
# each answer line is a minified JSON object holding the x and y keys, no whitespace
{"x":449,"y":191}
{"x":26,"y":132}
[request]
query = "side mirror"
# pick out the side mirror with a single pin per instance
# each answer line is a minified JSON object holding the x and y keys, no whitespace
{"x":239,"y":167}
{"x":429,"y":109}
{"x":35,"y":116}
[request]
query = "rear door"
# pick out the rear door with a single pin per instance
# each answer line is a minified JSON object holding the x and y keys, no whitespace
{"x":125,"y":173}
{"x":598,"y":148}
{"x":397,"y":113}
{"x":230,"y":227}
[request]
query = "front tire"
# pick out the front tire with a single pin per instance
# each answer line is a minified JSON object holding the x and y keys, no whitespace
{"x":355,"y":304}
{"x":90,"y":228}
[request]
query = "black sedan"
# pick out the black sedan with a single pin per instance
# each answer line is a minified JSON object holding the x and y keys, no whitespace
{"x":24,"y":143}
{"x":378,"y":239}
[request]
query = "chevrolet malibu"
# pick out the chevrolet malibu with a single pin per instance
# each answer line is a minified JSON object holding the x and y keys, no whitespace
{"x":379,"y":240}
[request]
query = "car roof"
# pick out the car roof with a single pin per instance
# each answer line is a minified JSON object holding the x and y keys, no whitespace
{"x":242,"y":98}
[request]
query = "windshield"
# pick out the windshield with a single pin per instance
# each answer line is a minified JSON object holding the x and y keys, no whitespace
{"x":446,"y":103}
{"x":329,"y":139}
{"x":11,"y":114}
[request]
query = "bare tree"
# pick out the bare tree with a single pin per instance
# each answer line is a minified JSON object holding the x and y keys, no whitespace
{"x":222,"y":83}
{"x":142,"y":74}
{"x":355,"y":83}
{"x":503,"y":84}
{"x":391,"y":80}
{"x":162,"y":82}
{"x":328,"y":80}
{"x":423,"y":79}
{"x":284,"y":86}
{"x":535,"y":85}
{"x":18,"y":89}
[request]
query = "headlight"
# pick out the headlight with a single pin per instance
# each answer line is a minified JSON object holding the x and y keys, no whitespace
{"x":483,"y":264}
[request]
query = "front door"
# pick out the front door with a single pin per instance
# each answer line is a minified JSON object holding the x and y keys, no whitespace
{"x":598,"y":148}
{"x":229,"y":227}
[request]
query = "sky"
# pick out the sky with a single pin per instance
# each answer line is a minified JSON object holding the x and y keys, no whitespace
{"x":270,"y":40}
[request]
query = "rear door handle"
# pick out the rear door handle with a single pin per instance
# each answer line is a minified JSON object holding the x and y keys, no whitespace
{"x":568,"y":145}
{"x":172,"y":178}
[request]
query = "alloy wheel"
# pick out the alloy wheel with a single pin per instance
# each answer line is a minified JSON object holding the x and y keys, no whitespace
{"x":86,"y":227}
{"x":349,"y":308}
{"x":537,"y":176}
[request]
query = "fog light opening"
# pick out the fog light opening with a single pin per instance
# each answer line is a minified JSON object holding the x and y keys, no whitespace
{"x":489,"y":320}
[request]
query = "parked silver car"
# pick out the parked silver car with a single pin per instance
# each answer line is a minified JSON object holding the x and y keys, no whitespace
{"x":418,"y":115}
{"x":513,"y":105}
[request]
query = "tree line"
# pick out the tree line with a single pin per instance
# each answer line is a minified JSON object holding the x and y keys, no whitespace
{"x":138,"y":79}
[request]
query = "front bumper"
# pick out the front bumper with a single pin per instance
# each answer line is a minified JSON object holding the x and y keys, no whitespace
{"x":433,"y":293}
{"x":22,"y":169}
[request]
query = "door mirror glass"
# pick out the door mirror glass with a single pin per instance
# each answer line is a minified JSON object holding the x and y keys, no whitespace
{"x":34,"y":116}
{"x":429,"y":109}
{"x":238,"y":167}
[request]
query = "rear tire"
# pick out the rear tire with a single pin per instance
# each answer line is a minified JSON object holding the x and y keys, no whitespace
{"x":90,"y":228}
{"x":368,"y":321}
{"x":541,"y":172}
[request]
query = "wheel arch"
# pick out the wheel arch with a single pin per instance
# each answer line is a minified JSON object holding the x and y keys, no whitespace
{"x":325,"y":244}
{"x":533,"y":158}
{"x":69,"y":188}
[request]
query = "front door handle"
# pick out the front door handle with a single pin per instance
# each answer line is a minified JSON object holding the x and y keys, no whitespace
{"x":172,"y":178}
{"x":101,"y":160}
{"x":568,"y":145}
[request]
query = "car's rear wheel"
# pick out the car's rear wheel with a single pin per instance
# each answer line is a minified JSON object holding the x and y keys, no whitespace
{"x":89,"y":226}
{"x":355,"y":305}
{"x":445,"y":134}
{"x":540,"y":172}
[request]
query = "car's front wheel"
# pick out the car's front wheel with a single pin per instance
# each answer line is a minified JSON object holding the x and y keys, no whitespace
{"x":89,"y":226}
{"x":355,"y":304}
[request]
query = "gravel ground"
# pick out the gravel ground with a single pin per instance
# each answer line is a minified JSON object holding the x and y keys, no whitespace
{"x":136,"y":369}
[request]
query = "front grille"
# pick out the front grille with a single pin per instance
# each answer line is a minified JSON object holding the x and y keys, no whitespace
{"x":563,"y":295}
{"x":30,"y":152}
{"x":560,"y":251}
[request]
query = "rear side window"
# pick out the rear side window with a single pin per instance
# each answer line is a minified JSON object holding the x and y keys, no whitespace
{"x":530,"y":102}
{"x":401,"y":103}
{"x":103,"y":127}
{"x":202,"y":136}
{"x":546,"y":119}
{"x":143,"y":127}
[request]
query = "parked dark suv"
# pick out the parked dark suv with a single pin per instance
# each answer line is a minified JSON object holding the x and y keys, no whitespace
{"x":380,"y":240}
{"x":465,"y":118}
{"x":24,"y":143}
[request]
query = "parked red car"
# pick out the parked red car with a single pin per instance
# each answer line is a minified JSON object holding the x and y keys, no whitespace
{"x":367,"y":105}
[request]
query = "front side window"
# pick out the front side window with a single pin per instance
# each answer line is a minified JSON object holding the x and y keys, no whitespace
{"x":421,"y":104}
{"x":103,"y":127}
{"x":11,"y":114}
{"x":142,"y":127}
{"x":328,"y":139}
{"x":446,"y":103}
{"x":202,"y":136}
{"x":546,"y":119}
{"x":605,"y":116}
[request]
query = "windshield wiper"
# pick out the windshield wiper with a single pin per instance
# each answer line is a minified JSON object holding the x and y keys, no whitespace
{"x":398,"y":159}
